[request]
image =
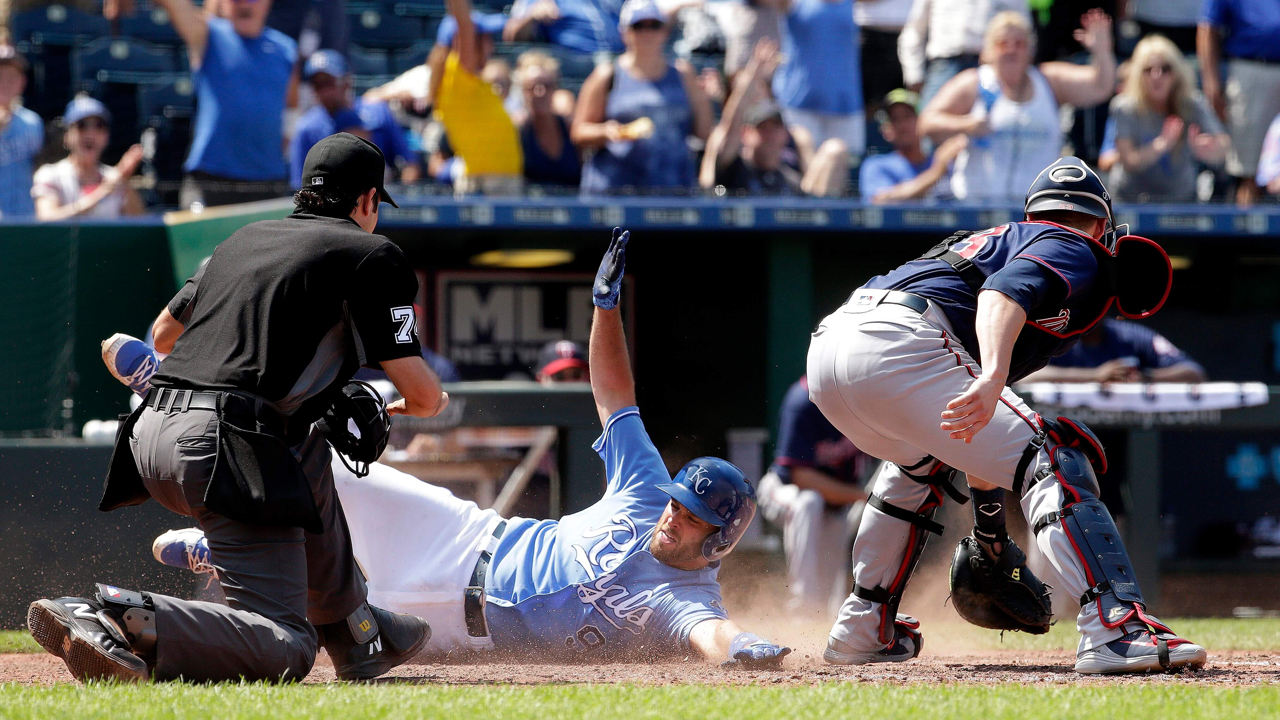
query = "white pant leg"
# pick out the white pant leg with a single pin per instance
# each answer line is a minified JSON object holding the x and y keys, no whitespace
{"x":418,"y":545}
{"x":806,"y":541}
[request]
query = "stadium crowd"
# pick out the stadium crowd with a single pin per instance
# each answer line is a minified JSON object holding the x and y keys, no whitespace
{"x":108,"y":110}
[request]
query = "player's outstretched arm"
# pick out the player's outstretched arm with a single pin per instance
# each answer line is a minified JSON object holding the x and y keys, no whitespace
{"x":611,"y":380}
{"x":723,"y":641}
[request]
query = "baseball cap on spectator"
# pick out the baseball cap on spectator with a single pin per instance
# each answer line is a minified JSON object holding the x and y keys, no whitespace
{"x":900,"y":96}
{"x":559,"y":356}
{"x":762,"y":112}
{"x":636,"y":11}
{"x":486,"y":24}
{"x":345,"y":161}
{"x":329,"y":62}
{"x":83,"y":107}
{"x":9,"y":55}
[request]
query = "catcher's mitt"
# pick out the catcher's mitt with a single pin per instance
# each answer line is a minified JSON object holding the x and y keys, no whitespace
{"x":1001,"y":594}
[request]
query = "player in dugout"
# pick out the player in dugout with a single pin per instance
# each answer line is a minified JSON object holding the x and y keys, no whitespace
{"x":634,"y":575}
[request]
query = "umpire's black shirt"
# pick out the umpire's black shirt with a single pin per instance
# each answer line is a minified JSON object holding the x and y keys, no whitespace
{"x":285,"y":309}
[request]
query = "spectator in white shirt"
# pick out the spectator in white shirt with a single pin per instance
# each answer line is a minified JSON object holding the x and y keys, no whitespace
{"x":943,"y":37}
{"x":79,"y":185}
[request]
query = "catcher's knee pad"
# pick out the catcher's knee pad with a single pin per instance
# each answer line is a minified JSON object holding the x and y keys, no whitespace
{"x":939,"y":479}
{"x":130,"y":617}
{"x":1093,"y":535}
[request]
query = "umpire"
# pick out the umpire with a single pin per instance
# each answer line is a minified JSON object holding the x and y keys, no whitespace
{"x":263,"y":339}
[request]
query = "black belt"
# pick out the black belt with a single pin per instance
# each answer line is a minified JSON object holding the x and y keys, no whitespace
{"x":168,"y":400}
{"x":915,"y":302}
{"x":473,"y":595}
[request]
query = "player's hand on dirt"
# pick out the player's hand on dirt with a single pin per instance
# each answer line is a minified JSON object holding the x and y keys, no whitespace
{"x":1117,"y":370}
{"x":748,"y":652}
{"x":968,"y":414}
{"x":604,"y":293}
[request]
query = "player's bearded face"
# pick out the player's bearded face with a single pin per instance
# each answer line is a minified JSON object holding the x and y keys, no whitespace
{"x":677,"y":539}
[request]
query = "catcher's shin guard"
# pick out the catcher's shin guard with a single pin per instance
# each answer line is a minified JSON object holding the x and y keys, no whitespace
{"x":1094,"y":537}
{"x":938,"y":480}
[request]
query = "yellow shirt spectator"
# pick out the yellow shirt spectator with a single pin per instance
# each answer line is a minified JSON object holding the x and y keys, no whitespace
{"x":479,"y":129}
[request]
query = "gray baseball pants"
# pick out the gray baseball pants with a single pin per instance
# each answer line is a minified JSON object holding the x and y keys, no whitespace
{"x":279,"y":581}
{"x":882,"y":374}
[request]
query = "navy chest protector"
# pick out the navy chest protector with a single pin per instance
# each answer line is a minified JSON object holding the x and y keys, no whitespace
{"x":1135,"y":276}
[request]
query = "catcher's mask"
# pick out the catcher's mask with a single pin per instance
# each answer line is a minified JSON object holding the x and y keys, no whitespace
{"x":357,"y":425}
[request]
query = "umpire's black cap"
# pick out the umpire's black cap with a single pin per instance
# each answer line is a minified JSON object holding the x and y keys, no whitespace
{"x":346,"y":162}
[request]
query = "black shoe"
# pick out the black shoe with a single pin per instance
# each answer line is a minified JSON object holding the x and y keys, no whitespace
{"x":399,"y":638}
{"x":79,"y":631}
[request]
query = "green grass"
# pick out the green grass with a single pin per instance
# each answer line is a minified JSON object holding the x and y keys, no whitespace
{"x":1216,"y":634}
{"x":401,"y":702}
{"x":18,"y":641}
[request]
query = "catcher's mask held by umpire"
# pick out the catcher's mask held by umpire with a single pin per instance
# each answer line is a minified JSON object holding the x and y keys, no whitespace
{"x":357,"y":425}
{"x":717,"y":493}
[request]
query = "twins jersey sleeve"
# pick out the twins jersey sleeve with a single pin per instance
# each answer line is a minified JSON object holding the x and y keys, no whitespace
{"x":631,"y":462}
{"x":1047,"y":273}
{"x":380,"y":302}
{"x":183,"y":303}
{"x":1151,"y":348}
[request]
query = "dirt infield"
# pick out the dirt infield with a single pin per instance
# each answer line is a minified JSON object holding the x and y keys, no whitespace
{"x":1224,"y":669}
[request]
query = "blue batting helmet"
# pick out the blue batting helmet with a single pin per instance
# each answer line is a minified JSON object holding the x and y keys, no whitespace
{"x":717,"y":493}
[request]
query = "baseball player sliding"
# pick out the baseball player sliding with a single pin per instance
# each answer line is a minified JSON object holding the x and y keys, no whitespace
{"x":914,"y":368}
{"x":634,"y":574}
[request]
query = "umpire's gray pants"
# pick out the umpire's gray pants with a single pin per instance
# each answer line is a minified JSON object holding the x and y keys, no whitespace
{"x":275,"y":578}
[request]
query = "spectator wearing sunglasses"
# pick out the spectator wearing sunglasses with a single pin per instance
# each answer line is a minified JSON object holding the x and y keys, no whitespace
{"x":1163,"y":126}
{"x":638,"y":114}
{"x":80,"y":185}
{"x":21,"y":136}
{"x":243,"y":71}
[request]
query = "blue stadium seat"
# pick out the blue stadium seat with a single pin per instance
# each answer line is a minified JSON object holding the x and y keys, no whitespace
{"x":152,"y":25}
{"x":376,"y":27}
{"x":366,"y":61}
{"x":403,"y":60}
{"x":57,"y":25}
{"x":122,"y":60}
{"x":168,"y":107}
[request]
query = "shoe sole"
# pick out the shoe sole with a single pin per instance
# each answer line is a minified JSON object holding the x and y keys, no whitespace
{"x":385,"y":665}
{"x":57,"y":634}
{"x":1092,"y":665}
{"x":835,"y":657}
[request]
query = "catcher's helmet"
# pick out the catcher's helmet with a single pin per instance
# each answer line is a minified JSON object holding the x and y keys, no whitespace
{"x":357,"y":425}
{"x":1069,"y":184}
{"x":718,"y":493}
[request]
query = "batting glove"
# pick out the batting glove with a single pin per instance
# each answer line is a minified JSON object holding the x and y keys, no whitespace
{"x":130,"y":360}
{"x":609,"y":278}
{"x":750,"y":652}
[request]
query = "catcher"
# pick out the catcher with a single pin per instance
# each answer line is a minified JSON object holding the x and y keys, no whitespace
{"x":632,"y":575}
{"x":892,"y":369}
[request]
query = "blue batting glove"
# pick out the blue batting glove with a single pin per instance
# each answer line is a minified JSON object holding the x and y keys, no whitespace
{"x":750,"y":652}
{"x":130,"y":360}
{"x":604,"y":293}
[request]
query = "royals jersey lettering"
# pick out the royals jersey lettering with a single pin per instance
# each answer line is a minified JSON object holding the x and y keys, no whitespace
{"x":587,"y":584}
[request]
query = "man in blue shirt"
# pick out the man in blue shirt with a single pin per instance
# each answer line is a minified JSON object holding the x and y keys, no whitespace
{"x":814,"y":493}
{"x":21,"y":136}
{"x":243,"y":72}
{"x":587,"y":26}
{"x":1121,"y":351}
{"x":631,"y":577}
{"x":1247,"y":34}
{"x":907,"y":173}
{"x":326,"y":70}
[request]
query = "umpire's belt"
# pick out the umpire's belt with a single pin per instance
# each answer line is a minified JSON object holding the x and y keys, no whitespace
{"x":868,"y":299}
{"x":241,"y":409}
{"x":473,"y":597}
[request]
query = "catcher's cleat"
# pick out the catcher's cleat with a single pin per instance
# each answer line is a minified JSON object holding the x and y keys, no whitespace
{"x":1142,"y":651}
{"x":363,"y":650}
{"x":907,"y":644}
{"x":87,"y":638}
{"x":184,"y":548}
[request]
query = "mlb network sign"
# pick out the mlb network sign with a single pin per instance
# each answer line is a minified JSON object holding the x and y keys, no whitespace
{"x":492,"y":325}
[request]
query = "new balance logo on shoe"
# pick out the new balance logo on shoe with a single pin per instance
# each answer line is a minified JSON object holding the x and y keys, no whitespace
{"x":82,"y":610}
